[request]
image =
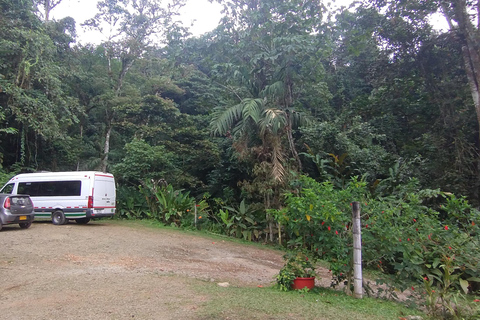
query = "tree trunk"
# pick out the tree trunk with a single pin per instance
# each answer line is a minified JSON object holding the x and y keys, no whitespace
{"x":470,"y":41}
{"x":47,"y":10}
{"x":106,"y":147}
{"x":81,"y":139}
{"x":291,"y":142}
{"x":470,"y":50}
{"x":49,"y":5}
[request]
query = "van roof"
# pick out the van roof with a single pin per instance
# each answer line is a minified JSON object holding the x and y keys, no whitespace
{"x":63,"y":173}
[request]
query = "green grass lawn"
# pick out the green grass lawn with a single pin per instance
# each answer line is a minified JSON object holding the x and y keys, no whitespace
{"x":270,"y":303}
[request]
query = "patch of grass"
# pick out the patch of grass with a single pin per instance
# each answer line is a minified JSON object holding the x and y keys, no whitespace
{"x":270,"y":303}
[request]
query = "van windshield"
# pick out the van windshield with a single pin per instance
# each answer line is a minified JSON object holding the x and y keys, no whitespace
{"x":50,"y":188}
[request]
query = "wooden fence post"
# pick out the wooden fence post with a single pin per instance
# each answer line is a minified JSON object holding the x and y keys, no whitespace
{"x":357,"y":252}
{"x":195,"y":205}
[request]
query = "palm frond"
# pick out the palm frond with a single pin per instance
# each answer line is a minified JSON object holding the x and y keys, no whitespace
{"x":273,"y":120}
{"x":274,"y":91}
{"x":252,"y":109}
{"x":299,"y":119}
{"x":224,"y":119}
{"x":238,"y":115}
{"x":278,"y":170}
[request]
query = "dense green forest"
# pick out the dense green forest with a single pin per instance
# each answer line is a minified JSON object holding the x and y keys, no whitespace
{"x":276,"y":90}
{"x":267,"y":127}
{"x":279,"y":88}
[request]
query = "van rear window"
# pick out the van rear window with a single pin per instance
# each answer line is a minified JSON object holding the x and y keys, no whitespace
{"x":50,"y":188}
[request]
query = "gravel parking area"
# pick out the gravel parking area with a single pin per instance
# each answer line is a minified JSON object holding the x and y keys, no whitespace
{"x":116,"y":270}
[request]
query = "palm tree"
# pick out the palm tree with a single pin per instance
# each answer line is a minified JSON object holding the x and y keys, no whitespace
{"x":263,"y":120}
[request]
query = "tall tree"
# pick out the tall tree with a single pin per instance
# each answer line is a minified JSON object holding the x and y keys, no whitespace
{"x":271,"y":43}
{"x":31,"y":78}
{"x":130,"y":27}
{"x":463,"y":20}
{"x":48,"y":6}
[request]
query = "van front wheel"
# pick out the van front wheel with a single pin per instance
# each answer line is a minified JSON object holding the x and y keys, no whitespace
{"x":58,"y":217}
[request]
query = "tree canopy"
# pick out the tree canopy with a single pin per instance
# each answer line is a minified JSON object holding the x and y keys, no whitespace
{"x":278,"y":89}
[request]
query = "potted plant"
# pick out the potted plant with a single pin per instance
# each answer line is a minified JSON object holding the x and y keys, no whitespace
{"x":298,"y":271}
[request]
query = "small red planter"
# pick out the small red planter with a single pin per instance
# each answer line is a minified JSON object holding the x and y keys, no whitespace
{"x":300,"y":283}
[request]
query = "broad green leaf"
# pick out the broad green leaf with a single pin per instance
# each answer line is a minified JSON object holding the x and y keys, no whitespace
{"x":464,"y":285}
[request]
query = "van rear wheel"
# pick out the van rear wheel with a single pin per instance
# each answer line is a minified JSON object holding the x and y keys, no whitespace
{"x":58,"y":217}
{"x":82,"y":220}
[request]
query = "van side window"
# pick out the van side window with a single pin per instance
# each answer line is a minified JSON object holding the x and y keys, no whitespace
{"x":50,"y":188}
{"x":7,"y":189}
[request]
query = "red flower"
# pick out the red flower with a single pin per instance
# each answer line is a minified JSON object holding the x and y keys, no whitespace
{"x":446,"y":227}
{"x":306,"y":259}
{"x":316,"y":249}
{"x":366,"y":226}
{"x":450,"y":248}
{"x":413,"y":288}
{"x":416,"y":229}
{"x":476,"y":300}
{"x":323,"y":222}
{"x":400,"y":240}
{"x":336,"y":232}
{"x":198,"y":205}
{"x":430,"y":236}
{"x":351,"y":204}
{"x":408,"y":239}
{"x":426,"y":278}
{"x":365,"y":203}
{"x":414,"y":220}
{"x":328,"y":228}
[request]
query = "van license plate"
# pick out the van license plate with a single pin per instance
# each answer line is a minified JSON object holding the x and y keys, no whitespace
{"x":23,"y":217}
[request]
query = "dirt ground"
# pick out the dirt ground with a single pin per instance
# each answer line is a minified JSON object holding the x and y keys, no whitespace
{"x":106,"y":270}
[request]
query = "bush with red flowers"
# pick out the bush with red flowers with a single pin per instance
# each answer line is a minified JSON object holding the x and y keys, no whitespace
{"x":404,"y":237}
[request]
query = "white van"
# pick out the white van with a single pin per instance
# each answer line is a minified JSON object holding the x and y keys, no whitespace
{"x":60,"y":196}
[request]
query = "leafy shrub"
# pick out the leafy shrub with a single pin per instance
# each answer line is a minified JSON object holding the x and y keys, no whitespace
{"x":243,"y":221}
{"x":401,"y":235}
{"x":131,"y":204}
{"x":166,"y":204}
